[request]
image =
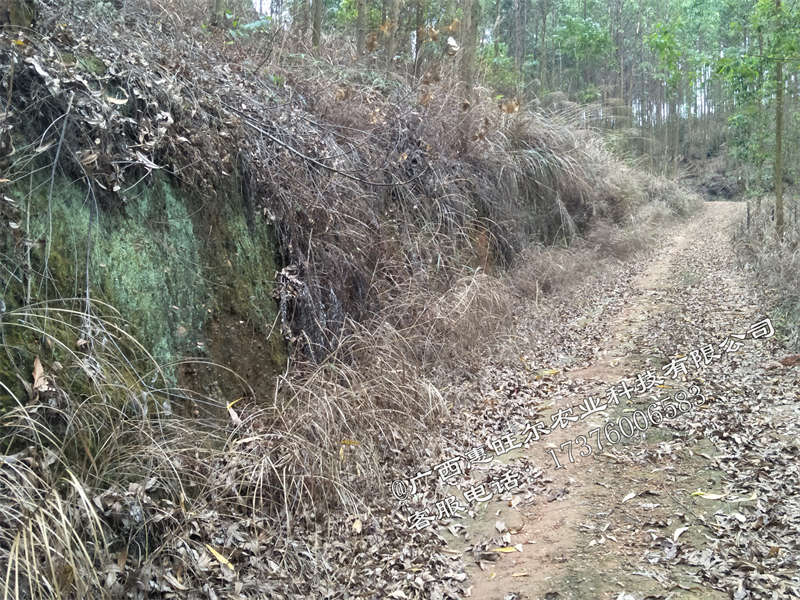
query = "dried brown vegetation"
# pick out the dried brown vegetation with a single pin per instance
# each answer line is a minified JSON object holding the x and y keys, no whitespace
{"x":774,"y":263}
{"x":392,"y":243}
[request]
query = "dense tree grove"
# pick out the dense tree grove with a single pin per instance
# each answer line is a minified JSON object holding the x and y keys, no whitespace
{"x":680,"y":80}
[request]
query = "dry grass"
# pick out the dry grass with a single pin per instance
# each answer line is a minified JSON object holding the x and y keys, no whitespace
{"x":104,"y":480}
{"x":776,"y":264}
{"x":90,"y":424}
{"x":388,"y":284}
{"x":372,"y":177}
{"x":652,"y":202}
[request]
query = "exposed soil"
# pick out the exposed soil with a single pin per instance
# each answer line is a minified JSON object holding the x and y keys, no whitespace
{"x":629,"y":522}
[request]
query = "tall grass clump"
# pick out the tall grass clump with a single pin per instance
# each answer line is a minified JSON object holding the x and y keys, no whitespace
{"x":774,"y":262}
{"x":108,"y":474}
{"x":96,"y":423}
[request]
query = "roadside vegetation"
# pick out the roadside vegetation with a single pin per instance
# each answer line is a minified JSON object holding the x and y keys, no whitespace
{"x":241,"y":254}
{"x":773,"y":263}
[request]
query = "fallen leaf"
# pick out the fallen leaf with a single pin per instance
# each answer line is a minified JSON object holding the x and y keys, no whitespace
{"x":707,"y":495}
{"x":678,"y":532}
{"x":39,"y":381}
{"x":222,"y":560}
{"x":452,"y":47}
{"x":170,"y":579}
{"x":510,"y":107}
{"x":234,"y":417}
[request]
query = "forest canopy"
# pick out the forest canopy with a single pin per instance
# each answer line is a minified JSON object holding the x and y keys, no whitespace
{"x":690,"y":76}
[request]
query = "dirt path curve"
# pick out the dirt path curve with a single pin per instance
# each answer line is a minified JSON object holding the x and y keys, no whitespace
{"x":626,"y":522}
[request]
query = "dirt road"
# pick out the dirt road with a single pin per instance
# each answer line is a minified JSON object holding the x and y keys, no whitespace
{"x":685,"y":489}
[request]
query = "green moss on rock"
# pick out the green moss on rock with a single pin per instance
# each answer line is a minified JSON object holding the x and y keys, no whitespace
{"x":175,"y":267}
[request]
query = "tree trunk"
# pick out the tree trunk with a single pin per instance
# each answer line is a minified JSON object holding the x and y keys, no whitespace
{"x":496,"y":28}
{"x":419,"y":37}
{"x":621,"y":73}
{"x":543,"y":47}
{"x":666,"y":116}
{"x":517,"y":8}
{"x":305,"y":9}
{"x":361,"y":27}
{"x":676,"y":125}
{"x":523,"y":45}
{"x":394,"y":17}
{"x":317,"y":25}
{"x":469,"y":26}
{"x":779,"y":143}
{"x":217,"y":13}
{"x":620,"y":38}
{"x":449,"y":12}
{"x":276,"y":12}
